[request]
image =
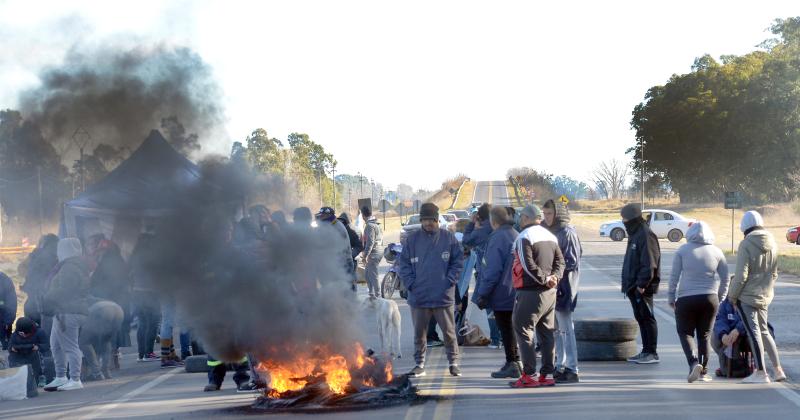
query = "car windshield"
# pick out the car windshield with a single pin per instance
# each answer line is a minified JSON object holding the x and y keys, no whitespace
{"x":413,"y":220}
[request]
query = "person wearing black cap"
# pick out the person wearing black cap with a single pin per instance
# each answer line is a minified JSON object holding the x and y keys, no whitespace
{"x":430,"y":267}
{"x":27,"y":346}
{"x":373,"y":250}
{"x":641,"y":275}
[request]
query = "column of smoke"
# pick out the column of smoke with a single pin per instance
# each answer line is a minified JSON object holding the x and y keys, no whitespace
{"x":288,"y":292}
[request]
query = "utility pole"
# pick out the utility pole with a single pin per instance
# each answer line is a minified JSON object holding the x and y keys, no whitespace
{"x":333,"y":173}
{"x":360,"y":185}
{"x":81,"y":141}
{"x":641,"y":168}
{"x":41,"y":211}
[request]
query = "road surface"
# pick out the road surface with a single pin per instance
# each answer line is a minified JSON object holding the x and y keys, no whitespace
{"x":492,"y":192}
{"x":607,"y":390}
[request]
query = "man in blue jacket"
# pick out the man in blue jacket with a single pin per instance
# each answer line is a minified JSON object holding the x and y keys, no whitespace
{"x":430,"y":267}
{"x":476,"y":236}
{"x":496,"y":291}
{"x":556,"y":217}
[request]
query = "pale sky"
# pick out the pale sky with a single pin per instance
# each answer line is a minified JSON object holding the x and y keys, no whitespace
{"x":410,"y":91}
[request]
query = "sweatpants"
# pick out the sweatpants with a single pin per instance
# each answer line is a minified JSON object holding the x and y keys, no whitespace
{"x":566,"y":345}
{"x":755,"y":322}
{"x":646,"y":318}
{"x":694,"y":317}
{"x":445,"y":317}
{"x":371,"y":273}
{"x":64,"y":345}
{"x":534,"y":313}
{"x":506,"y":326}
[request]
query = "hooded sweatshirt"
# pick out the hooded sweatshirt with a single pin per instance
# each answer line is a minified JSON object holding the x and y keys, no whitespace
{"x":69,"y":288}
{"x":570,"y":244}
{"x":696,"y":266}
{"x":756,"y":269}
{"x":373,"y":239}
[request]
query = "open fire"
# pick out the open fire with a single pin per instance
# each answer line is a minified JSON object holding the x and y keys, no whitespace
{"x":317,"y":379}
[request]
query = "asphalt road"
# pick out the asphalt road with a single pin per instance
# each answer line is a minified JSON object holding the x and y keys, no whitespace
{"x":607,"y":390}
{"x":492,"y":192}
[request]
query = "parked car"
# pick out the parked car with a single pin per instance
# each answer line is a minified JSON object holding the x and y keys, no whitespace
{"x":461,"y":214}
{"x":793,"y":235}
{"x":451,"y":218}
{"x":413,"y":223}
{"x":664,"y":223}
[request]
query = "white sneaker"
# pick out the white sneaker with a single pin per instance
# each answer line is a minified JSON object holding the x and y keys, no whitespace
{"x":695,"y":373}
{"x":706,"y":378}
{"x":57,"y":382}
{"x":71,"y":385}
{"x":757,"y":377}
{"x":779,"y":376}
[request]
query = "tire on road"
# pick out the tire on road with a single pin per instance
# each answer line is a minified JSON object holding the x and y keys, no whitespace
{"x":606,"y":351}
{"x":675,"y":235}
{"x":617,"y":234}
{"x":606,"y":329}
{"x":196,"y":364}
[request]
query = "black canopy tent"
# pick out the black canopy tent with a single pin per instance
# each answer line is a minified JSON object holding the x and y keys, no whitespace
{"x":151,"y":183}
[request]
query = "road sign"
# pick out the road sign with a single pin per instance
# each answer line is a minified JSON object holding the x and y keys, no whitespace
{"x":733,"y":200}
{"x":564,"y":199}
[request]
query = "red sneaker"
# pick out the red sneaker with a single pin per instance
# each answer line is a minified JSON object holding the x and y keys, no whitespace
{"x":525,"y":381}
{"x":546,"y":380}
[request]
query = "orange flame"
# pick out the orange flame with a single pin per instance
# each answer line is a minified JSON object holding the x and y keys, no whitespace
{"x":337,"y":375}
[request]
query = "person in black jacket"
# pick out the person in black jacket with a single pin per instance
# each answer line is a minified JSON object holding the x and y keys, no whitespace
{"x":641,"y":274}
{"x":27,"y":346}
{"x":8,"y":308}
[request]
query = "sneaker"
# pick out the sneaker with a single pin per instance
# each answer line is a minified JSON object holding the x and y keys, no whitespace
{"x":494,"y":346}
{"x":71,"y":385}
{"x":525,"y":381}
{"x":648,"y":359}
{"x":635,"y":358}
{"x":211,"y":387}
{"x":246,"y":387}
{"x":568,"y":376}
{"x":695,"y":373}
{"x":719,"y":373}
{"x":757,"y":377}
{"x":546,"y":380}
{"x":42,"y":381}
{"x":435,"y":343}
{"x":706,"y":378}
{"x":779,"y":376}
{"x":151,"y":357}
{"x":167,"y":364}
{"x":55,"y":383}
{"x":454,"y":370}
{"x":417,"y":372}
{"x":95,"y":377}
{"x":509,"y":370}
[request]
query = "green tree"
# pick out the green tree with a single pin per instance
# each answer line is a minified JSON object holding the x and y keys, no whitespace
{"x":265,"y":154}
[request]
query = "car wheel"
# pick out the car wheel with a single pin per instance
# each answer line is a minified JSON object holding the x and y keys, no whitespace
{"x":797,"y":241}
{"x":617,"y":234}
{"x":675,"y":235}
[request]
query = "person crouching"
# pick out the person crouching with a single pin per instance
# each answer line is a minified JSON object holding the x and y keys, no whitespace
{"x":27,"y":346}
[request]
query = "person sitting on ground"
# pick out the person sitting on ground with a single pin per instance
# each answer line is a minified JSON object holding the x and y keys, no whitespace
{"x":700,"y":281}
{"x":538,"y":267}
{"x":752,"y":290}
{"x":8,"y":308}
{"x":68,"y":297}
{"x":729,"y":330}
{"x":27,"y":346}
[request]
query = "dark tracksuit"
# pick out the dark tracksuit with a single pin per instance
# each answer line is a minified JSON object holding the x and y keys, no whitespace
{"x":642,"y":269}
{"x":21,"y":350}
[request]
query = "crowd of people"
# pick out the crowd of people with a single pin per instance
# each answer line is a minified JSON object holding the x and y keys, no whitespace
{"x":84,"y":297}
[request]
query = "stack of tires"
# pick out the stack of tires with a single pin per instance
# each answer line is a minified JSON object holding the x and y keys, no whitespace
{"x":606,"y":339}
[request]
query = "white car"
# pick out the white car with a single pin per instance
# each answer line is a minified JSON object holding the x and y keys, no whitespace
{"x":413,"y":224}
{"x":664,"y":223}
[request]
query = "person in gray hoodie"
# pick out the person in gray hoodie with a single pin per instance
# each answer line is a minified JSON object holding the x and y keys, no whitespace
{"x":752,"y":290}
{"x":699,"y":282}
{"x":373,"y":250}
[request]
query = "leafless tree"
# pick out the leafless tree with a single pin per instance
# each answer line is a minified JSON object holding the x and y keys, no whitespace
{"x":610,"y":177}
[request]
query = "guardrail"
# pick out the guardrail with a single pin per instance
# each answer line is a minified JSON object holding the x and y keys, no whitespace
{"x":13,"y":250}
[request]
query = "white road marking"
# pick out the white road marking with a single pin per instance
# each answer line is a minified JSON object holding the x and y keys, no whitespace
{"x":98,"y":413}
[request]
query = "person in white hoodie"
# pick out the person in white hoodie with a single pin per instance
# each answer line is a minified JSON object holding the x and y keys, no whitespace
{"x":752,"y":290}
{"x":699,"y":282}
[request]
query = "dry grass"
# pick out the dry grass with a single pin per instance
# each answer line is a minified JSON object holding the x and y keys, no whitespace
{"x":465,"y":198}
{"x":443,"y":199}
{"x":512,"y":195}
{"x":788,"y":262}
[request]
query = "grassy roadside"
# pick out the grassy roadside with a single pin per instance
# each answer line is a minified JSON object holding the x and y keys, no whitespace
{"x":512,"y":195}
{"x":465,"y":197}
{"x":788,"y":263}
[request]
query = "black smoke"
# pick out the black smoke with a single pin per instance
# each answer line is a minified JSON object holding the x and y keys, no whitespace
{"x":119,"y":95}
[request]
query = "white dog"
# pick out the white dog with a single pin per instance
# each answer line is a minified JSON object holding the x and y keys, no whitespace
{"x":388,"y":319}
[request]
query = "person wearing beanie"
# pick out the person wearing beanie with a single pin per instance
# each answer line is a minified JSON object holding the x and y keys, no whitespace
{"x":641,"y":275}
{"x":537,"y":268}
{"x":27,"y":346}
{"x":556,"y":217}
{"x":476,"y":237}
{"x":326,"y":219}
{"x":373,"y":250}
{"x":752,"y":290}
{"x":355,"y":241}
{"x":68,"y":298}
{"x":430,"y":267}
{"x":301,"y":217}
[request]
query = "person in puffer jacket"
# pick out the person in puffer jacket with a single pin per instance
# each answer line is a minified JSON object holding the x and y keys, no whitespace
{"x":538,"y":267}
{"x":752,"y":290}
{"x":557,"y":219}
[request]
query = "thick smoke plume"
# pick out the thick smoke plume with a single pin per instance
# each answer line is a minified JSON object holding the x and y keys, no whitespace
{"x":118,"y":96}
{"x":288,"y":292}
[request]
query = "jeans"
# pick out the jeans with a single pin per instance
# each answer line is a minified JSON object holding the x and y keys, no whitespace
{"x":445,"y":317}
{"x":494,"y":332}
{"x":534,"y":311}
{"x":644,"y":313}
{"x":694,"y":315}
{"x":566,"y":346}
{"x":64,"y":345}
